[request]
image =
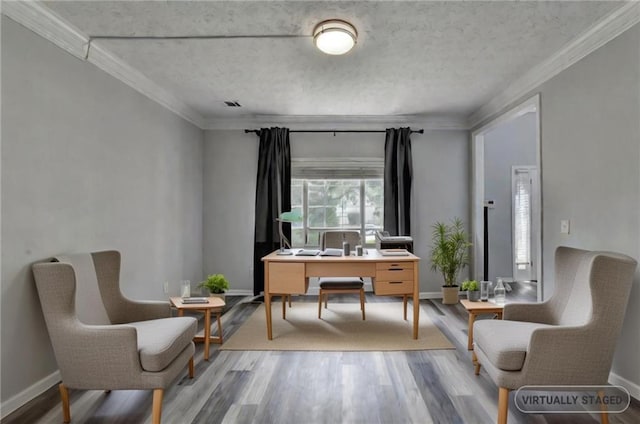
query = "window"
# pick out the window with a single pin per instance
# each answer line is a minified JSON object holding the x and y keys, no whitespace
{"x":336,"y":196}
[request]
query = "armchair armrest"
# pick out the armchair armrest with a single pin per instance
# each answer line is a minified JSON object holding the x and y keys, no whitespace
{"x":527,"y":312}
{"x":97,"y":356}
{"x":567,"y":356}
{"x":144,"y":310}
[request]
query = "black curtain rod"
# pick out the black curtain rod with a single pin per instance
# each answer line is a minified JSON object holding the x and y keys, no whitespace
{"x":420,"y":131}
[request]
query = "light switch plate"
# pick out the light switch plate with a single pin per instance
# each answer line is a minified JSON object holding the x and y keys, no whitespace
{"x":564,"y":226}
{"x":165,"y":287}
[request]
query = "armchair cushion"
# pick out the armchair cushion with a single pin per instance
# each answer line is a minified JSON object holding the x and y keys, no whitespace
{"x":505,"y":342}
{"x":160,"y":341}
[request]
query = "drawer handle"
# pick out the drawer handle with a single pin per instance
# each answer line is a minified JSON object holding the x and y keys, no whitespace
{"x":395,"y":269}
{"x":395,"y":282}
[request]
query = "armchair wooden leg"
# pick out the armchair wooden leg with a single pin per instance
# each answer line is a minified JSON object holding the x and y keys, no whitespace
{"x":64,"y":395}
{"x":604,"y":416}
{"x":157,"y":406}
{"x":362,"y":302}
{"x":320,"y":305}
{"x":191,"y":367}
{"x":503,"y":405}
{"x":289,"y":296}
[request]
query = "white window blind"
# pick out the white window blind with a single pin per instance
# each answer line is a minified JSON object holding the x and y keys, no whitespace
{"x":522,"y":219}
{"x":337,"y":168}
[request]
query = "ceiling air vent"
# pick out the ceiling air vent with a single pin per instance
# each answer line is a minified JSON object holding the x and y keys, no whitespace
{"x":232,"y":103}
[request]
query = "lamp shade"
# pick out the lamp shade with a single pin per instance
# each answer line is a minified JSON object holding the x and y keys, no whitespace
{"x":290,"y":216}
{"x":335,"y":36}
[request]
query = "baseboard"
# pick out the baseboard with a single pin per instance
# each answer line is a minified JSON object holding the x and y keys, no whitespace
{"x":431,"y":295}
{"x":239,"y":292}
{"x":633,"y":388}
{"x":28,"y":394}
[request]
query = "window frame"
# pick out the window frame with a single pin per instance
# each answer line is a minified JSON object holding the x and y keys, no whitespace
{"x":358,"y":169}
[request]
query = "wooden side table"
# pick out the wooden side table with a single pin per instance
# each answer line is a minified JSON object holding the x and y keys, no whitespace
{"x":475,"y":309}
{"x":215,"y":305}
{"x":479,"y":308}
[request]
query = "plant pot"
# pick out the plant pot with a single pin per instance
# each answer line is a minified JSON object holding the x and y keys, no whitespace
{"x":450,"y":295}
{"x":220,"y":295}
{"x":473,"y":295}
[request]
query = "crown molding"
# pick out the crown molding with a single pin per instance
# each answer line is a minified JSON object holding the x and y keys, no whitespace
{"x":47,"y":24}
{"x":41,"y":20}
{"x":595,"y":37}
{"x":338,"y":122}
{"x":119,"y":69}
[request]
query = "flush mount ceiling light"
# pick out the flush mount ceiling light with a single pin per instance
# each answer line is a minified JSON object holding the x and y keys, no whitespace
{"x":335,"y":36}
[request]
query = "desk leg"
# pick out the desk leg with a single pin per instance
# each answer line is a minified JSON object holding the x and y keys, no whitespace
{"x":416,"y":300}
{"x":207,"y":332}
{"x":267,"y":300}
{"x":284,"y":306}
{"x":472,"y":319}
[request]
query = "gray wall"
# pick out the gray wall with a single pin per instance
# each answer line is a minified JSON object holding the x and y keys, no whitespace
{"x":87,"y":164}
{"x":591,"y":168}
{"x":440,"y":191}
{"x":512,"y":143}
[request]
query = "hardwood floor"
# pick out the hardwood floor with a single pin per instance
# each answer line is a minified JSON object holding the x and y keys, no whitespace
{"x":436,"y":386}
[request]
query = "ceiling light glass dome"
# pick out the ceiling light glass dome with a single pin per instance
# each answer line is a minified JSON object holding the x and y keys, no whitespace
{"x":335,"y":36}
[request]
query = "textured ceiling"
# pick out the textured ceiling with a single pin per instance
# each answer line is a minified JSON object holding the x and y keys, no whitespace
{"x":412,"y":58}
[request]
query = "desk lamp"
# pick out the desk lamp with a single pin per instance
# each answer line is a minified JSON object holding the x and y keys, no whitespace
{"x":291,"y":216}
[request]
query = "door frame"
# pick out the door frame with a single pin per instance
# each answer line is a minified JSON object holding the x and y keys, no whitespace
{"x":532,"y":104}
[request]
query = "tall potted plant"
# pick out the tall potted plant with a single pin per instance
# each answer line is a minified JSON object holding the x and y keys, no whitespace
{"x":449,"y":255}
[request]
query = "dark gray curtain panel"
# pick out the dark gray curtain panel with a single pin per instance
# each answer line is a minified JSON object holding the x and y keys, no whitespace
{"x":398,"y":174}
{"x":273,"y":196}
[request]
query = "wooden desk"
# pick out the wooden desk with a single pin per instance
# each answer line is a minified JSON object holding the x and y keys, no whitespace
{"x":391,"y":276}
{"x":215,"y":305}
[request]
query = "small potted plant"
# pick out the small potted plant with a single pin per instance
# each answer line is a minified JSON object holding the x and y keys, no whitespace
{"x":217,"y":285}
{"x":449,"y":254}
{"x":472,"y":289}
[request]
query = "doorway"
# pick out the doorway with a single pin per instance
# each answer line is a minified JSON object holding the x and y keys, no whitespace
{"x":506,"y":213}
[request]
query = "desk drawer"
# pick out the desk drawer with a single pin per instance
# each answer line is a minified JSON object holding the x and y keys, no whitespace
{"x":394,"y":274}
{"x":392,"y":287}
{"x":338,"y":269}
{"x":287,"y":278}
{"x":394,"y":265}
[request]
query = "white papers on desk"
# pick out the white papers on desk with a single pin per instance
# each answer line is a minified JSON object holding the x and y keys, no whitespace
{"x":331,"y":252}
{"x":307,"y":252}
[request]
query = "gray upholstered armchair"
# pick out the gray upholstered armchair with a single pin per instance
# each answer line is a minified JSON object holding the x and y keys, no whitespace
{"x":567,"y":340}
{"x":141,"y":347}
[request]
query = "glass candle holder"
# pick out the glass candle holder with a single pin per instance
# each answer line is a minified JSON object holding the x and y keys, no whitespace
{"x":185,"y":288}
{"x":484,"y":290}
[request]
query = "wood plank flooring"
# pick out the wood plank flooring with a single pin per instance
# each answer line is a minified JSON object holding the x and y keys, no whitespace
{"x":436,"y":386}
